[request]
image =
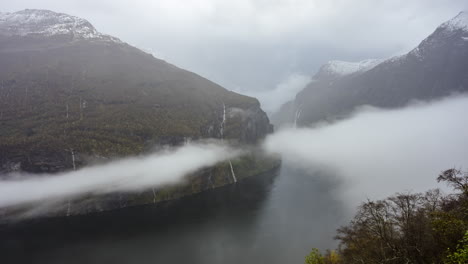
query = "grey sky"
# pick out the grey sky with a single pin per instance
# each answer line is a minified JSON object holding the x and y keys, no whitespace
{"x":248,"y":45}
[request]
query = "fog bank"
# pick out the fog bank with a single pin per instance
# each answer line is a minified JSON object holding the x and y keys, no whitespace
{"x":378,"y":152}
{"x":272,"y":99}
{"x":126,"y":175}
{"x":372,"y":154}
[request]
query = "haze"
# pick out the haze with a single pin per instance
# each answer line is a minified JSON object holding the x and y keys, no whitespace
{"x":254,"y":46}
{"x":376,"y":152}
{"x":373,"y":154}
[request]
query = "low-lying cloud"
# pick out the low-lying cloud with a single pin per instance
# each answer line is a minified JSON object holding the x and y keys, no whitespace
{"x":126,"y":175}
{"x":374,"y":153}
{"x":379,"y":152}
{"x":272,"y":99}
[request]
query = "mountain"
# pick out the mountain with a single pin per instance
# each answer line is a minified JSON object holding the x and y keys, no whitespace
{"x":70,"y":96}
{"x":437,"y":67}
{"x":336,"y":69}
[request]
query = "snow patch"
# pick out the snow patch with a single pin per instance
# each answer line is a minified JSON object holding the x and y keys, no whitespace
{"x":417,"y":53}
{"x":48,"y":23}
{"x":457,"y":23}
{"x":342,"y":68}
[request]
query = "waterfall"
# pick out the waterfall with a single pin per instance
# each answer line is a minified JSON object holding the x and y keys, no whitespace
{"x":221,"y":131}
{"x":232,"y":172}
{"x":73,"y":159}
{"x":223,"y":122}
{"x":74,"y":168}
{"x":297,"y":115}
{"x":154,"y":196}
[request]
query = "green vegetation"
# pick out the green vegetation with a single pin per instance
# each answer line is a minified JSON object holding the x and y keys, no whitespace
{"x":249,"y":165}
{"x":315,"y":257}
{"x":246,"y":166}
{"x":80,"y":102}
{"x":253,"y":164}
{"x":107,"y":101}
{"x":407,"y":228}
{"x":460,"y":256}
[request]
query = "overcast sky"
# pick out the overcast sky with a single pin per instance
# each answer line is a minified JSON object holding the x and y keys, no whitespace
{"x":257,"y":45}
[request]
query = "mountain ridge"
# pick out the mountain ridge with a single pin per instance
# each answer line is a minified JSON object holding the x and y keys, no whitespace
{"x":69,"y":100}
{"x":434,"y":69}
{"x":49,"y":23}
{"x":337,"y":68}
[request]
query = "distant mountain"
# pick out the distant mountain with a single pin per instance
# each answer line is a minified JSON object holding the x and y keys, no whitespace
{"x":437,"y":67}
{"x":70,"y":95}
{"x":336,"y":69}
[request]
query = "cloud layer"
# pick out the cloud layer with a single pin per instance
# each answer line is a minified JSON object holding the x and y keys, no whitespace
{"x":373,"y":154}
{"x":272,"y":99}
{"x":127,"y":175}
{"x":378,"y":152}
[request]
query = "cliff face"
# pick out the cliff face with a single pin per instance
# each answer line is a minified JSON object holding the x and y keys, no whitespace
{"x":70,"y":96}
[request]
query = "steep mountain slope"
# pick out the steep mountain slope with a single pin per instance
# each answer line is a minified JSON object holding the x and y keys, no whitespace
{"x":436,"y":68}
{"x":70,"y":95}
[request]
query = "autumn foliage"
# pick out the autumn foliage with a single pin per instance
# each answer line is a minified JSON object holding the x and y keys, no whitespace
{"x":407,"y":228}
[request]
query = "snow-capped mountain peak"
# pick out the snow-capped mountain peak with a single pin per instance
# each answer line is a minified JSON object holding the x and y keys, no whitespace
{"x":457,"y":23}
{"x":35,"y":22}
{"x":454,"y":29}
{"x":336,"y":68}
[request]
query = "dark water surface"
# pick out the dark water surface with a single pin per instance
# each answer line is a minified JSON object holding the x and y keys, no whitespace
{"x":275,"y":218}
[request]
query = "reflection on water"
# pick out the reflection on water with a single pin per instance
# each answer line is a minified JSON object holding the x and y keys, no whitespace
{"x":268,"y":219}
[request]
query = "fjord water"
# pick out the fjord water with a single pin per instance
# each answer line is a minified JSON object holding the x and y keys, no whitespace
{"x":273,"y":218}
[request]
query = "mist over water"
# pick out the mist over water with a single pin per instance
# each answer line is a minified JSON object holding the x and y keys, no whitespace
{"x":372,"y":154}
{"x":275,"y":218}
{"x":378,"y":152}
{"x":327,"y":170}
{"x":126,"y":175}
